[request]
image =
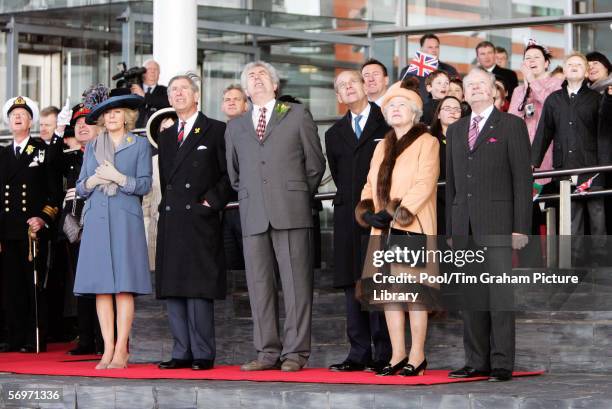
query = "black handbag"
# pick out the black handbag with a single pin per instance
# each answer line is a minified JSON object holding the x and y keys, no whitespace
{"x":396,"y":238}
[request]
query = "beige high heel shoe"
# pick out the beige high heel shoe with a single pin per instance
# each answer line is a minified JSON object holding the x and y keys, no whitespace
{"x":120,"y":365}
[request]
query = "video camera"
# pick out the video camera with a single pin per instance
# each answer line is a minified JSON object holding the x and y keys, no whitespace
{"x":128,"y":77}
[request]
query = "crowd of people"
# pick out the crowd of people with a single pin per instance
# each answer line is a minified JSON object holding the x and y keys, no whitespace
{"x":76,"y":195}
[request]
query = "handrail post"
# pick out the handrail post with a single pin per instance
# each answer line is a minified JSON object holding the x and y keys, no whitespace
{"x":565,"y":224}
{"x":551,"y":237}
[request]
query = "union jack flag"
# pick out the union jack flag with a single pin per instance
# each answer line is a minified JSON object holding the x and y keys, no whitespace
{"x":423,"y":64}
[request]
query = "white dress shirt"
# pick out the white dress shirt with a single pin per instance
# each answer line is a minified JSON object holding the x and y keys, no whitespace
{"x":255,"y":112}
{"x":484,"y":115}
{"x":188,"y":125}
{"x":22,"y":145}
{"x":364,"y":118}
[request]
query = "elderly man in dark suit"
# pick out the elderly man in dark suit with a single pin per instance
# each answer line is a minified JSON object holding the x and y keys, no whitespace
{"x":190,"y":267}
{"x":349,"y":145}
{"x":275,"y":162}
{"x":488,"y":197}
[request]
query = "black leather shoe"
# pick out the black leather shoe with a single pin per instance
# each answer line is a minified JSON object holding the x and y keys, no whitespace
{"x":500,"y":375}
{"x":175,"y":364}
{"x":82,"y":350}
{"x":202,"y":364}
{"x":392,"y":369}
{"x":410,"y":370}
{"x":375,"y":366}
{"x":347,"y":366}
{"x":467,"y":372}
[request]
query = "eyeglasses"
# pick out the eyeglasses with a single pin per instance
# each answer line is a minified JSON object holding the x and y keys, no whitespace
{"x":451,"y":110}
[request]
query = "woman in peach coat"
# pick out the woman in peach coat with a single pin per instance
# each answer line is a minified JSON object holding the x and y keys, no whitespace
{"x":402,"y":182}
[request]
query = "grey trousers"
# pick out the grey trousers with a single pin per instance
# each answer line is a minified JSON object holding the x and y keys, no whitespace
{"x":288,"y":250}
{"x":192,"y":325}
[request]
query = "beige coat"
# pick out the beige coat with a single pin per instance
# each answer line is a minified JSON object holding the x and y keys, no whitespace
{"x":413,"y":185}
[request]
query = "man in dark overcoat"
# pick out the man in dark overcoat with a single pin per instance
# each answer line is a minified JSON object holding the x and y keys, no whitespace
{"x":349,"y":145}
{"x":190,"y":266}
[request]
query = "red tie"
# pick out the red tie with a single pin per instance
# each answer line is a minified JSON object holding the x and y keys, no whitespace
{"x":261,"y":124}
{"x":181,"y":133}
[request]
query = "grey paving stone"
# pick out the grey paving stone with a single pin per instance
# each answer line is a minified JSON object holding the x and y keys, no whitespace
{"x":446,"y":402}
{"x":305,"y":400}
{"x":218,"y":398}
{"x":261,"y":399}
{"x":95,"y":397}
{"x":354,"y":399}
{"x":495,"y":401}
{"x":134,"y":397}
{"x":175,"y":397}
{"x":395,"y":399}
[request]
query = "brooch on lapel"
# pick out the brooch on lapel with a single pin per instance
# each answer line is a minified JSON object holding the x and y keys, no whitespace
{"x":29,"y":149}
{"x":492,"y":140}
{"x":41,"y":156}
{"x":196,"y":131}
{"x":129,"y":139}
{"x":282,"y":109}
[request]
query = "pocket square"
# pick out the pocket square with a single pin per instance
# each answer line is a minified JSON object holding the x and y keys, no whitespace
{"x":33,"y":164}
{"x":201,"y":147}
{"x":492,"y":140}
{"x":378,"y":139}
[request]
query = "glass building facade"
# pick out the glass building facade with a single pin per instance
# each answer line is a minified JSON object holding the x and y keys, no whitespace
{"x":51,"y":50}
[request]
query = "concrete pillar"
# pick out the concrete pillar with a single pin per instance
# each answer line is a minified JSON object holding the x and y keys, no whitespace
{"x":175,"y":42}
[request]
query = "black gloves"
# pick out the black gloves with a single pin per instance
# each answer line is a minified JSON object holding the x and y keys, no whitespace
{"x":380,"y":220}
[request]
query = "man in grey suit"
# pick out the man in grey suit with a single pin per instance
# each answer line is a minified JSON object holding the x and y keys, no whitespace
{"x":488,"y":199}
{"x":275,"y":162}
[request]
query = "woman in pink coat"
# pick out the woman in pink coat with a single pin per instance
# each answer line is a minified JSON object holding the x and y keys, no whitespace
{"x":527,"y":103}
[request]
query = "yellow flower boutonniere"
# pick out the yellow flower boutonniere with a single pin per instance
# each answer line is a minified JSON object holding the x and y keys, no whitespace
{"x":282,"y":109}
{"x":29,"y":149}
{"x":197,"y":130}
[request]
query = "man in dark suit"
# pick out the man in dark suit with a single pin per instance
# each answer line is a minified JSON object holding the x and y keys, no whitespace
{"x":155,"y":95}
{"x":430,"y":44}
{"x":488,"y":199}
{"x":30,"y":207}
{"x":349,"y":144}
{"x":189,"y":264}
{"x":485,"y":54}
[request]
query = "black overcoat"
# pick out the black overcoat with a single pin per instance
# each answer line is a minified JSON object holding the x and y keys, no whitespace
{"x":349,"y":162}
{"x":189,"y":254}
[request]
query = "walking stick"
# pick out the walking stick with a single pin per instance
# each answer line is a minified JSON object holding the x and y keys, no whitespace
{"x":32,"y":253}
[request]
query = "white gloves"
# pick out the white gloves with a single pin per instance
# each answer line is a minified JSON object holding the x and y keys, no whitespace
{"x":65,"y":115}
{"x":70,"y":195}
{"x":94,"y":181}
{"x":108,"y":172}
{"x":63,"y":118}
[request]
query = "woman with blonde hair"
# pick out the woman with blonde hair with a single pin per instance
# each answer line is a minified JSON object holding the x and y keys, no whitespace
{"x":399,"y":198}
{"x":113,"y":261}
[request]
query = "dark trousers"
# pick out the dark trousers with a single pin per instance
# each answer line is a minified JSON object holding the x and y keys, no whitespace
{"x":488,"y":321}
{"x":365,"y":328}
{"x":192,"y":324}
{"x":232,"y":239}
{"x":19,"y":293}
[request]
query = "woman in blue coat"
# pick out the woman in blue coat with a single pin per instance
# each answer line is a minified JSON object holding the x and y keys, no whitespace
{"x":113,"y":258}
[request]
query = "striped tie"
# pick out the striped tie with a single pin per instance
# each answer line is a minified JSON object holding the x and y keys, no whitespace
{"x":181,"y":133}
{"x":473,"y":133}
{"x":261,"y":124}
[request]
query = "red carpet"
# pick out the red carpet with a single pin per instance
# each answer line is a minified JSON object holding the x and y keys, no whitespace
{"x":56,"y":362}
